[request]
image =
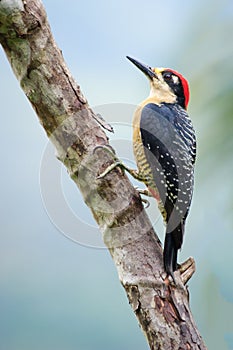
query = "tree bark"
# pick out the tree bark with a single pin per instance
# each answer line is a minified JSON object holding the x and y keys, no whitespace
{"x":161,"y":307}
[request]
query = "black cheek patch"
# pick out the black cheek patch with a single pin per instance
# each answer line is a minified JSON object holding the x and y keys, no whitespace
{"x":177,"y":88}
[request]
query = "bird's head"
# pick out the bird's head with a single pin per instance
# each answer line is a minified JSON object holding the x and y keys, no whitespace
{"x":167,"y":85}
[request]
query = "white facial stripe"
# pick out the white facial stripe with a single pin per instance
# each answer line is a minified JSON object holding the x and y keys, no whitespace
{"x":175,"y":79}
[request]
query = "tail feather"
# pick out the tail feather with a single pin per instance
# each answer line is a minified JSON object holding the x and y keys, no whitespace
{"x":172,"y":244}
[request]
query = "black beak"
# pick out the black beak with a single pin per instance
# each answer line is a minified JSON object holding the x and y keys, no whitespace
{"x":144,"y":68}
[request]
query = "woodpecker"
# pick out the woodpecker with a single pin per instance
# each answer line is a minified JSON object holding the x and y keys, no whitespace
{"x":164,"y":146}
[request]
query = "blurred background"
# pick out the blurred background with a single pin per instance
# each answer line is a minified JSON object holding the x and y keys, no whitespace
{"x":64,"y":294}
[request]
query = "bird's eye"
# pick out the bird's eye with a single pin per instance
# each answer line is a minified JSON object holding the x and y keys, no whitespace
{"x":167,"y":76}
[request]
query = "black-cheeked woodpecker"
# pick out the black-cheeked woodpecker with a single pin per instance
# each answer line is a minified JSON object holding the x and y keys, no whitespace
{"x":164,"y":146}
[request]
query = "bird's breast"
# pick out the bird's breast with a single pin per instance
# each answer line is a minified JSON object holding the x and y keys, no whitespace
{"x":139,"y":153}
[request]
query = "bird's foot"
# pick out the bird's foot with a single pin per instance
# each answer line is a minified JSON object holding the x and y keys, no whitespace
{"x":117,"y":163}
{"x":112,"y":153}
{"x":144,"y":191}
{"x":109,"y":169}
{"x":146,"y":202}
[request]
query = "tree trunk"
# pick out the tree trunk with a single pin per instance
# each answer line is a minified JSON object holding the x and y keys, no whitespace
{"x":161,"y":307}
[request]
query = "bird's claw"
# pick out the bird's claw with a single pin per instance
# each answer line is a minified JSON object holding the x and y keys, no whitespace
{"x":143,"y":191}
{"x":118,"y":163}
{"x":147,"y":203}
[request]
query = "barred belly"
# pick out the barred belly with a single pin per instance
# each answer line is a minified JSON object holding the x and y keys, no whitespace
{"x":145,"y":172}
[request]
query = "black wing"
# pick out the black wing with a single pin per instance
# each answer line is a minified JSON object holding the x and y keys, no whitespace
{"x":170,"y":148}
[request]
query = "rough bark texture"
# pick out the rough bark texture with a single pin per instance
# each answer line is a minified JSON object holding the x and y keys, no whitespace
{"x":162,"y":309}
